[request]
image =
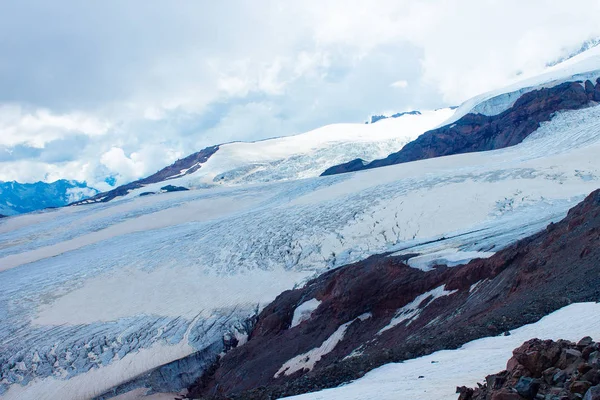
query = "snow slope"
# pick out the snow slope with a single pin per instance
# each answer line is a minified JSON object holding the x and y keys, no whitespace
{"x":581,"y":67}
{"x":308,"y":154}
{"x":92,"y":296}
{"x":444,"y":370}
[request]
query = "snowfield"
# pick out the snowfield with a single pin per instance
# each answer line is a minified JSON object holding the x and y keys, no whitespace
{"x":443,"y":371}
{"x":94,"y":296}
{"x":306,"y":155}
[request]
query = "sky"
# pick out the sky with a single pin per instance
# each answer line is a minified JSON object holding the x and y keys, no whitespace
{"x":115,"y":90}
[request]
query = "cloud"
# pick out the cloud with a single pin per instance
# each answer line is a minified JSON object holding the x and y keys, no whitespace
{"x":90,"y":94}
{"x":399,"y":84}
{"x":35,"y":128}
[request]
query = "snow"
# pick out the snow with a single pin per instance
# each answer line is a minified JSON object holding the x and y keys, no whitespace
{"x":308,"y":360}
{"x":304,"y":311}
{"x":412,"y":310}
{"x":444,"y":370}
{"x":305,"y":155}
{"x":178,"y":271}
{"x":579,"y":68}
{"x":95,"y":382}
{"x":451,"y":258}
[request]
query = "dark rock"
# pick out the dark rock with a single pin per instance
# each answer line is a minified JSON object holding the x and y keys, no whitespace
{"x":506,"y":394}
{"x":465,"y":393}
{"x":592,"y":376}
{"x":527,"y":387}
{"x":496,"y":381}
{"x":586,"y":341}
{"x":171,"y":188}
{"x":586,"y":352}
{"x":580,"y":387}
{"x":560,"y":377}
{"x":548,"y":375}
{"x":583,"y":368}
{"x":569,"y":357}
{"x":592,"y":394}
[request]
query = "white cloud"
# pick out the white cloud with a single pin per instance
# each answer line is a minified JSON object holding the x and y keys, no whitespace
{"x":39,"y":126}
{"x":400,"y":84}
{"x":199,"y":74}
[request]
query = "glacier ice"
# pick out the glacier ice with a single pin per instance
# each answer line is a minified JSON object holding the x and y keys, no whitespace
{"x":93,"y":296}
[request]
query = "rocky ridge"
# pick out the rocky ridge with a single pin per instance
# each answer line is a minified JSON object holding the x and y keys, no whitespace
{"x":478,"y":132}
{"x":182,"y":167}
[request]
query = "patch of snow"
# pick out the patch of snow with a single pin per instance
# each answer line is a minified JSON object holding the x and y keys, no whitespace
{"x":412,"y":310}
{"x":308,"y":360}
{"x":304,"y":311}
{"x":467,"y":365}
{"x":451,"y":258}
{"x":474,"y":286}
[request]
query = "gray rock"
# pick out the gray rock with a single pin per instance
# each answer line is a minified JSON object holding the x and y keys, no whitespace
{"x":593,"y":393}
{"x":527,"y":387}
{"x":586,"y":341}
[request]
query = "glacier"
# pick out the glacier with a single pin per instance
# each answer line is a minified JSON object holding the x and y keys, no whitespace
{"x":308,"y":154}
{"x":93,"y":297}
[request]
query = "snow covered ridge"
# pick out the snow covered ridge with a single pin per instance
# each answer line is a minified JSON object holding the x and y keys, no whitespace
{"x":503,"y":118}
{"x":299,"y":156}
{"x":95,"y":293}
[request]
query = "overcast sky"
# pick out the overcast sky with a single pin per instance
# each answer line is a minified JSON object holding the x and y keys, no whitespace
{"x":121,"y":88}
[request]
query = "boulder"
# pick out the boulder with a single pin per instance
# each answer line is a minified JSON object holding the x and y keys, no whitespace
{"x":580,"y":387}
{"x":586,"y":341}
{"x":537,"y":355}
{"x":527,"y":387}
{"x":593,"y":393}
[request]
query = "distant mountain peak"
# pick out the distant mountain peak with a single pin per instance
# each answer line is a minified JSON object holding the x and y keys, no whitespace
{"x":18,"y":198}
{"x":375,"y":118}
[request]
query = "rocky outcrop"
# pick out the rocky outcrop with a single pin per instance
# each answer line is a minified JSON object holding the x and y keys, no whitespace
{"x":185,"y":166}
{"x":380,"y":310}
{"x":545,"y":370}
{"x":478,"y":132}
{"x":375,"y":118}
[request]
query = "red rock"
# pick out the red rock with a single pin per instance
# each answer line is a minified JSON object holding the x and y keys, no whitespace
{"x":580,"y":387}
{"x":537,"y":355}
{"x":512,"y":364}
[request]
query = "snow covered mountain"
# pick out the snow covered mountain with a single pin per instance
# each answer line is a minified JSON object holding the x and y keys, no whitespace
{"x":286,"y":158}
{"x":146,"y":291}
{"x":502,"y":118}
{"x":17,"y":198}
